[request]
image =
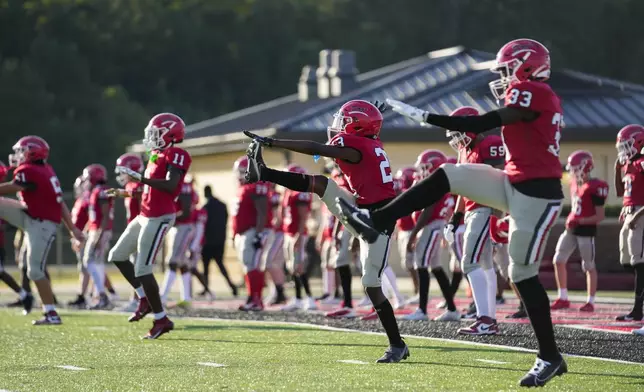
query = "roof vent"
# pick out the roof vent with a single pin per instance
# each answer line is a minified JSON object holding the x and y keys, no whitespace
{"x":308,"y":86}
{"x":343,"y":72}
{"x":322,"y":74}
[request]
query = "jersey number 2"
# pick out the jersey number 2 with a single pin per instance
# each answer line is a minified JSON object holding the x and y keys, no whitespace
{"x":384,"y":166}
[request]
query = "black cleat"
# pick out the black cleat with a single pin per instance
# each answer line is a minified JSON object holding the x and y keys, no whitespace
{"x":632,"y":316}
{"x":27,"y":304}
{"x":255,"y":162}
{"x":359,"y":219}
{"x":470,"y":312}
{"x":394,"y":354}
{"x":519,"y":314}
{"x":543,"y":371}
{"x":279,"y":300}
{"x":79,"y":302}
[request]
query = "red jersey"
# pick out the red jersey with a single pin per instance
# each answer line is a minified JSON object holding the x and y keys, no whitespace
{"x":274,"y":201}
{"x":155,"y":202}
{"x":489,"y":149}
{"x":187,"y":191}
{"x":44,"y":195}
{"x":80,"y":211}
{"x":371,"y":179}
{"x":633,"y":179}
{"x":96,"y":200}
{"x":243,"y":211}
{"x":132,"y":204}
{"x":532,"y":148}
{"x":586,"y":197}
{"x":328,"y":222}
{"x":292,"y":200}
{"x":441,"y":210}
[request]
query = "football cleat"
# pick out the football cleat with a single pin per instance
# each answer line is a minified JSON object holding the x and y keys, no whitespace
{"x":27,"y":304}
{"x":500,"y":300}
{"x":79,"y":302}
{"x":342,"y":313}
{"x":441,"y":305}
{"x":102,"y":304}
{"x":293,"y":305}
{"x":470,"y":312}
{"x":159,"y":327}
{"x":358,"y":219}
{"x":630,"y":317}
{"x":519,"y":314}
{"x":449,"y":315}
{"x":142,"y":309}
{"x":639,"y":332}
{"x":417,"y":315}
{"x":482,"y":326}
{"x":255,"y":162}
{"x":560,"y":304}
{"x":543,"y":371}
{"x":130,"y":306}
{"x":394,"y":354}
{"x":49,"y":318}
{"x":253,"y":306}
{"x":309,"y":304}
{"x":588,"y":307}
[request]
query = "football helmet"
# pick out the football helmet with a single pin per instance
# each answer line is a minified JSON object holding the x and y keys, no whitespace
{"x":580,"y":164}
{"x":356,"y":117}
{"x":293,"y":168}
{"x":630,"y":141}
{"x":404,"y":177}
{"x":79,"y":186}
{"x":460,"y":140}
{"x":519,"y":60}
{"x":94,"y":174}
{"x":163,"y":130}
{"x":29,"y":149}
{"x":4,"y":170}
{"x":428,"y":162}
{"x":131,"y":161}
{"x":240,"y":167}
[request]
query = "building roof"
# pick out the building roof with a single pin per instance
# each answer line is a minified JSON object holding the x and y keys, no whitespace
{"x":440,"y":81}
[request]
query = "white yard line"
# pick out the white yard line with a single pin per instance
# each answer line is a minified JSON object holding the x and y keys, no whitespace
{"x":492,"y":362}
{"x":70,"y":367}
{"x":211,"y":364}
{"x":353,"y":361}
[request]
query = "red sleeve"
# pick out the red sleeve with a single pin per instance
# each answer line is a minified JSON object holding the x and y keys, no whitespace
{"x":179,"y":158}
{"x":638,"y":165}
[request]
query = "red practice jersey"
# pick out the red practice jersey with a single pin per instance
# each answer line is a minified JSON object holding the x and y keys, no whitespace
{"x":132,"y":204}
{"x":586,"y":197}
{"x":43,"y":195}
{"x":440,"y":211}
{"x":96,"y":200}
{"x":274,"y":201}
{"x":292,"y":200}
{"x":80,"y":211}
{"x":243,"y":211}
{"x":371,"y":179}
{"x":633,"y":179}
{"x":487,"y":150}
{"x":532,"y":148}
{"x":155,"y":202}
{"x":189,"y":192}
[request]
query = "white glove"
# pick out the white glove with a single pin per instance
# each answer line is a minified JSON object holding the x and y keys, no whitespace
{"x":448,"y":233}
{"x":129,"y":172}
{"x":412,"y":112}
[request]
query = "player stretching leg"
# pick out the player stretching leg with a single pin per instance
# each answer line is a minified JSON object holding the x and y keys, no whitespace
{"x":144,"y":235}
{"x":529,"y":188}
{"x":629,"y":183}
{"x":38,"y":214}
{"x":588,"y":196}
{"x":357,"y":149}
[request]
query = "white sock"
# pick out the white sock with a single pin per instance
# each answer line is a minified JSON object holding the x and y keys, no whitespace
{"x":168,"y":281}
{"x":98,"y":276}
{"x":140,"y":292}
{"x":159,"y":316}
{"x":331,"y":280}
{"x":390,"y":277}
{"x":563,"y":294}
{"x":186,"y":280}
{"x":490,"y":276}
{"x":385,"y":285}
{"x":478,"y":282}
{"x":49,"y":308}
{"x":22,"y":294}
{"x":591,"y":299}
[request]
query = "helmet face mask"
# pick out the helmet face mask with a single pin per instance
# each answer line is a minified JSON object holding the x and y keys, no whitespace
{"x":163,"y":130}
{"x":458,"y":140}
{"x":154,"y":138}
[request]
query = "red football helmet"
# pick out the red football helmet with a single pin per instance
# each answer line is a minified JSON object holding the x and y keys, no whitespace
{"x":630,"y":141}
{"x":405,"y":177}
{"x":580,"y":164}
{"x":95,"y":174}
{"x":131,"y":161}
{"x":293,"y":168}
{"x":163,"y":130}
{"x":356,"y":118}
{"x":428,"y":161}
{"x":29,"y":149}
{"x":4,"y":170}
{"x":460,"y":140}
{"x":519,"y":60}
{"x":240,"y":167}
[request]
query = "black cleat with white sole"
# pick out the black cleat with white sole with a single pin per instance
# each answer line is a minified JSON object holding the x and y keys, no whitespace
{"x":359,"y":219}
{"x":394,"y":354}
{"x":543,"y":371}
{"x":255,"y":162}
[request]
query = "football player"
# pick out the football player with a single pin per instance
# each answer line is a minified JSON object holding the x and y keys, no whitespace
{"x":427,"y":249}
{"x":326,"y":245}
{"x":529,"y":188}
{"x":99,"y":230}
{"x":629,"y":184}
{"x":356,"y":147}
{"x":403,"y":180}
{"x":249,"y":221}
{"x":200,"y":217}
{"x":273,"y":257}
{"x":162,"y":182}
{"x":24,"y":297}
{"x":38,"y":214}
{"x":80,"y":217}
{"x":455,"y":245}
{"x":588,"y":196}
{"x":297,"y":208}
{"x":179,"y":239}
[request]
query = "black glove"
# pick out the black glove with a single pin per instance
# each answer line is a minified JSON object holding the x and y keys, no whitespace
{"x":263,"y":140}
{"x":257,"y":241}
{"x":382,"y":106}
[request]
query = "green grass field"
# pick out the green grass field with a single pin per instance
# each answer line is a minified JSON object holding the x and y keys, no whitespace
{"x":261,"y":357}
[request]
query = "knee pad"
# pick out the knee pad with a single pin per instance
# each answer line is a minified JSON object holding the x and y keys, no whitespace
{"x":35,"y":274}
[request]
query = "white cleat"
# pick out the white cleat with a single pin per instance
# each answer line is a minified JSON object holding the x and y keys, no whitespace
{"x":639,"y":332}
{"x":399,"y":303}
{"x":330,"y":301}
{"x":413,"y":300}
{"x":309,"y":304}
{"x":449,"y":316}
{"x":417,"y":315}
{"x":292,"y":306}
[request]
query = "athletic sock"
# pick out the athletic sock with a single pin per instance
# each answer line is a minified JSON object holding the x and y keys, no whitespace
{"x":279,"y":290}
{"x":168,"y":281}
{"x":537,"y":305}
{"x":345,"y":281}
{"x":160,"y":315}
{"x":424,"y":194}
{"x":186,"y":280}
{"x":457,"y":276}
{"x":304,"y":279}
{"x":326,"y":287}
{"x":49,"y":308}
{"x":388,"y":320}
{"x":563,"y":294}
{"x":140,"y":292}
{"x":478,"y":283}
{"x":490,"y":277}
{"x":446,"y":288}
{"x":591,"y":299}
{"x":294,"y":181}
{"x":423,"y":289}
{"x":390,"y":277}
